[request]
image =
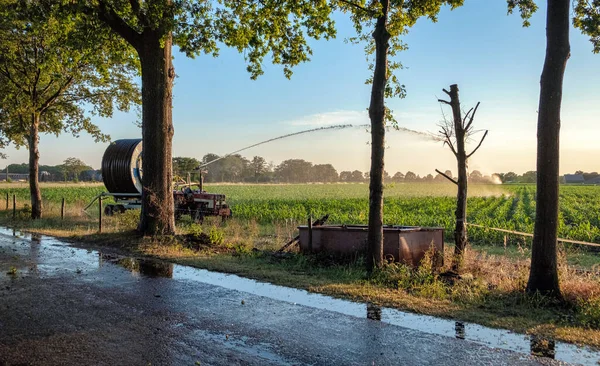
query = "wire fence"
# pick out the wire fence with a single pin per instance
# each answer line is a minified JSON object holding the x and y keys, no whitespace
{"x":578,"y":242}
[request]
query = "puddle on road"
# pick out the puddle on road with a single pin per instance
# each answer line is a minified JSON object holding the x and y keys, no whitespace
{"x":51,"y":256}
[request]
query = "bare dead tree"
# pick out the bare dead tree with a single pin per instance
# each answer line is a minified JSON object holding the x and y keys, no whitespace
{"x":455,"y":134}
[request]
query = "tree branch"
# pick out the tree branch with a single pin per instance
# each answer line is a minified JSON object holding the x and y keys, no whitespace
{"x":447,"y":92}
{"x":118,"y":25}
{"x":447,"y":141}
{"x":35,"y":84}
{"x":137,"y":10}
{"x":7,"y":74}
{"x":444,"y":101}
{"x":447,"y":177}
{"x":368,"y":11}
{"x":472,"y":116}
{"x":47,"y":86}
{"x":480,"y":142}
{"x":467,"y":116}
{"x":57,"y":94}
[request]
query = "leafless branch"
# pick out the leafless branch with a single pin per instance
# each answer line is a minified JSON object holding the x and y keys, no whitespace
{"x":467,"y":116}
{"x":446,"y":134}
{"x":447,"y":177}
{"x":447,"y":92}
{"x":444,"y":101}
{"x":480,"y":142}
{"x":472,"y":116}
{"x":451,"y":146}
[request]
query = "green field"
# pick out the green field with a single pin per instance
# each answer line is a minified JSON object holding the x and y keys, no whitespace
{"x":509,"y":207}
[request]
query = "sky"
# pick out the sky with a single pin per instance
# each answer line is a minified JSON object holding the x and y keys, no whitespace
{"x":492,"y":58}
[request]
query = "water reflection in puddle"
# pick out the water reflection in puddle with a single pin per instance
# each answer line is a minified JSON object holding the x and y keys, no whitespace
{"x":51,"y":256}
{"x":147,"y":267}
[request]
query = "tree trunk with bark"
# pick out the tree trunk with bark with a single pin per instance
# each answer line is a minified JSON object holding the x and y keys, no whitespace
{"x":455,"y":134}
{"x":543,"y":276}
{"x":460,"y":229}
{"x":157,"y":217}
{"x":34,"y":159}
{"x":377,"y":116}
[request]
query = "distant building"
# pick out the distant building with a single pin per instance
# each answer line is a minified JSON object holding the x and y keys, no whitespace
{"x":15,"y":177}
{"x":574,"y":178}
{"x":595,"y":180}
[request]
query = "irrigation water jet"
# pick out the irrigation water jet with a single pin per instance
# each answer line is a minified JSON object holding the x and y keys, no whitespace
{"x":334,"y":127}
{"x":325,"y":128}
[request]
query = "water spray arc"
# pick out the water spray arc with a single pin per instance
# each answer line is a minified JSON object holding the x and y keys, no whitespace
{"x":333,"y":127}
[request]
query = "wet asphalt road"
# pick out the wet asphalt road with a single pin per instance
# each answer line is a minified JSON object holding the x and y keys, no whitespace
{"x":66,"y":306}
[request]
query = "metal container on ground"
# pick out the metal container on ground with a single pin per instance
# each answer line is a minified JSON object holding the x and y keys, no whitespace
{"x":404,"y":244}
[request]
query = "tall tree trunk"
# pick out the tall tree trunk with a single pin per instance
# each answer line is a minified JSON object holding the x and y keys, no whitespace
{"x":543,"y":276}
{"x":377,"y":115}
{"x":34,"y":158}
{"x":157,"y":217}
{"x":460,"y":230}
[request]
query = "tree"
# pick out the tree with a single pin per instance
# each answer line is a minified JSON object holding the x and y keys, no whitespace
{"x":398,"y":177}
{"x":439,"y":178}
{"x":476,"y":176}
{"x":529,"y":177}
{"x":184,"y":165}
{"x":255,"y":27}
{"x":294,"y":171}
{"x":410,"y":176}
{"x":73,"y":167}
{"x":455,"y":134}
{"x":357,"y":176}
{"x":233,"y":168}
{"x":510,"y":177}
{"x":587,"y":18}
{"x":258,"y":164}
{"x":346,"y":176}
{"x":381,"y":23}
{"x":543,"y":275}
{"x":54,"y":72}
{"x":325,"y":173}
{"x":213,"y":170}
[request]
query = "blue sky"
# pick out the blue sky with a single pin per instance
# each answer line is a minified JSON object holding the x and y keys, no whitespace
{"x":217,"y":108}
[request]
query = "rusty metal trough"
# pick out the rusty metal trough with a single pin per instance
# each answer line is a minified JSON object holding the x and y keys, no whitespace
{"x":405,"y":244}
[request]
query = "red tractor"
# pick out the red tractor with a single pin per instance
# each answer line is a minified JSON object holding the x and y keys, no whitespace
{"x":198,"y":203}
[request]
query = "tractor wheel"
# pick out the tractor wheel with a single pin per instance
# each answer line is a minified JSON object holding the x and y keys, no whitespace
{"x":108,"y":210}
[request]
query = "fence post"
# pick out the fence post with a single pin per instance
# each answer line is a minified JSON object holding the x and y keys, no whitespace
{"x":14,"y":206}
{"x":310,"y":234}
{"x":62,"y":209}
{"x":100,"y":214}
{"x":6,"y":201}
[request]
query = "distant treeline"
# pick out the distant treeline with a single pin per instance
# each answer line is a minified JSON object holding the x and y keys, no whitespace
{"x":72,"y":169}
{"x":238,"y":169}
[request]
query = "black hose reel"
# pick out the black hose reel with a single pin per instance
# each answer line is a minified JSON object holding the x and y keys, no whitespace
{"x":122,"y":166}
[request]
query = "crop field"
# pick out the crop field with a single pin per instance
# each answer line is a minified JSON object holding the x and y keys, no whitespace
{"x":509,"y":207}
